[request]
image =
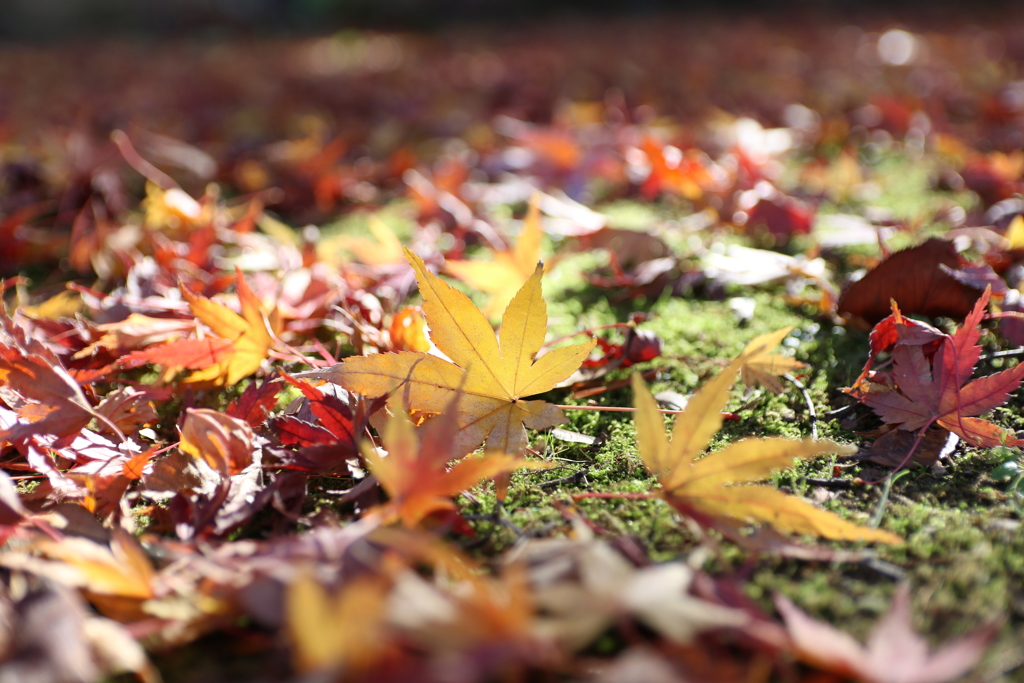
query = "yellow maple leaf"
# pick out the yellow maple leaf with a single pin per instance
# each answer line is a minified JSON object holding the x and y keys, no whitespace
{"x":249,"y":332}
{"x":415,"y":472}
{"x":495,"y":374}
{"x":1015,"y":233}
{"x":345,"y":630}
{"x":510,"y":268}
{"x":710,"y":489}
{"x":764,"y":368}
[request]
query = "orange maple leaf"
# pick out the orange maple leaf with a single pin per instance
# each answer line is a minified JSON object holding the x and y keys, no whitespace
{"x":415,"y":472}
{"x":250,"y":336}
{"x":706,"y":489}
{"x":495,"y":374}
{"x":510,"y":268}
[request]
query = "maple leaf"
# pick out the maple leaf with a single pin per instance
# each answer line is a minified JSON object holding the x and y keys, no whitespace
{"x":764,"y":368}
{"x":415,"y":472}
{"x":939,"y":392}
{"x":510,"y":268}
{"x":249,"y":334}
{"x":894,"y":652}
{"x":706,"y":488}
{"x":330,"y":631}
{"x":222,"y":441}
{"x":494,"y":373}
{"x":117,"y":578}
{"x":256,"y":402}
{"x":56,"y":403}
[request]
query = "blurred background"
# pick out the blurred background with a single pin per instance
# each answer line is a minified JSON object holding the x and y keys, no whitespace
{"x":60,"y":19}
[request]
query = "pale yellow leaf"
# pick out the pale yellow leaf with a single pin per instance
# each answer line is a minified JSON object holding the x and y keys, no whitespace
{"x":1015,"y":233}
{"x":510,"y":268}
{"x":763,"y":368}
{"x":344,"y":630}
{"x":494,"y":377}
{"x":712,"y":488}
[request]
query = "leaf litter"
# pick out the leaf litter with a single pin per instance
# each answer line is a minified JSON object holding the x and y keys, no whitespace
{"x":242,"y":430}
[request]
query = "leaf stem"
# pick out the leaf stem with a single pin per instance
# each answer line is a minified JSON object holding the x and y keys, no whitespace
{"x":883,"y":502}
{"x":807,"y":399}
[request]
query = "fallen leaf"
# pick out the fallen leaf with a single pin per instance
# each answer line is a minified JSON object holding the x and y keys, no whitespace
{"x":894,"y":652}
{"x":919,"y":279}
{"x":505,"y":275}
{"x":415,"y":472}
{"x":249,"y":334}
{"x":495,"y":373}
{"x":56,"y":404}
{"x":128,"y":408}
{"x":586,"y":586}
{"x":763,"y":368}
{"x":225,"y":443}
{"x":346,"y":629}
{"x":918,"y":393}
{"x":891,"y":448}
{"x":706,"y":489}
{"x":256,"y":402}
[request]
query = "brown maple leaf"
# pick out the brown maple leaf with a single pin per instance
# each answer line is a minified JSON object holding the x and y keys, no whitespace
{"x":919,"y":391}
{"x":45,"y":397}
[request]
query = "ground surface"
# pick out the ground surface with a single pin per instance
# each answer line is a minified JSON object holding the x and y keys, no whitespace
{"x":696,"y":138}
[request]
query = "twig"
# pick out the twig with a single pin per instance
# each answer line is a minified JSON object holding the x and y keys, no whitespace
{"x":839,"y":412}
{"x":574,"y":478}
{"x":807,"y":399}
{"x":836,"y":483}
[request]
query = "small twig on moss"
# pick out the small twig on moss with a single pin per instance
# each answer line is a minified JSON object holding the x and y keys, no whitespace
{"x":807,"y":399}
{"x":579,"y":477}
{"x":840,"y":412}
{"x":835,"y":483}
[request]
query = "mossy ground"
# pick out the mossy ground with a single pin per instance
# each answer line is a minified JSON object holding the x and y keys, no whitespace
{"x":964,"y":549}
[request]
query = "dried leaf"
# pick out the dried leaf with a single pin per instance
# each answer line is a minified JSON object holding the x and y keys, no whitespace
{"x":249,"y":335}
{"x":706,"y":489}
{"x":764,"y":368}
{"x":256,"y":402}
{"x":919,"y":393}
{"x":415,"y":472}
{"x":495,"y":374}
{"x":894,"y":653}
{"x":225,"y":443}
{"x":345,"y":630}
{"x":919,"y":279}
{"x":510,"y":269}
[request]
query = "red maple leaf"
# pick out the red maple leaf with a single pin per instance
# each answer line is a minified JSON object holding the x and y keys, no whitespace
{"x":920,"y":391}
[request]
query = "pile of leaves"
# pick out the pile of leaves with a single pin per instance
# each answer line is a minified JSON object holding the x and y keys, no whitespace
{"x":278,"y":379}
